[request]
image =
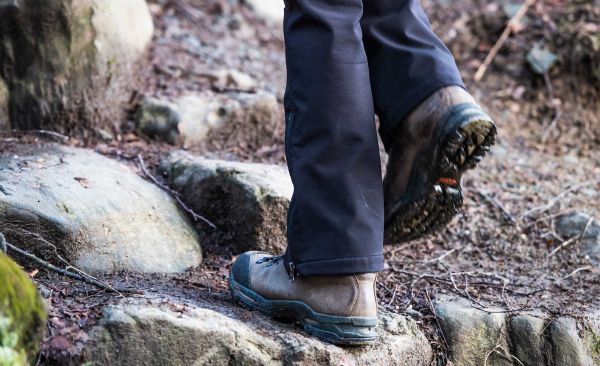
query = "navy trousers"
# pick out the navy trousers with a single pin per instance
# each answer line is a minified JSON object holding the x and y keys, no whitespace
{"x":348,"y":60}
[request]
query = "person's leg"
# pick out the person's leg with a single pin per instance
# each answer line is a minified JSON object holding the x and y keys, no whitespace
{"x":326,"y":278}
{"x":408,"y":62}
{"x":335,"y":222}
{"x":431,"y":127}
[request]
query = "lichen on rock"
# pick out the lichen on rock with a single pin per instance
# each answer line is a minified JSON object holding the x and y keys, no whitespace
{"x":22,"y":315}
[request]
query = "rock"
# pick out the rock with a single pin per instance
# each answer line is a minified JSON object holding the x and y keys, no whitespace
{"x":541,"y":60}
{"x":573,"y":225}
{"x":234,"y":80}
{"x":220,"y":121}
{"x":158,"y":119}
{"x":213,"y":121}
{"x":136,"y":334}
{"x":22,"y":316}
{"x":270,"y":10}
{"x":101,"y":216}
{"x":71,"y":66}
{"x":3,"y":106}
{"x":567,"y":346}
{"x":472,"y":334}
{"x":247,"y":202}
{"x":535,"y":338}
{"x":527,"y":337}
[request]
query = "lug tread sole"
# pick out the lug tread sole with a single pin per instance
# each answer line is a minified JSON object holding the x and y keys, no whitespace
{"x":462,"y":150}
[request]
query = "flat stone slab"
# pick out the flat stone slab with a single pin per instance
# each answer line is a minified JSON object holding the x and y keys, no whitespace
{"x":100,"y":215}
{"x":496,"y":338}
{"x":135,"y":333}
{"x":247,"y":202}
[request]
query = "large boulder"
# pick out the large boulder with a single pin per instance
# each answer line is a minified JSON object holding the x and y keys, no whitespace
{"x":247,"y":202}
{"x":98,"y":214}
{"x":22,"y":316}
{"x":70,"y":65}
{"x":151,"y":334}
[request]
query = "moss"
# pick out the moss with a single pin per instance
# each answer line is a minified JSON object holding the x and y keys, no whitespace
{"x":22,"y":314}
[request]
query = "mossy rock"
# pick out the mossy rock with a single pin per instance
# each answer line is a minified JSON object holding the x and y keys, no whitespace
{"x":22,"y":316}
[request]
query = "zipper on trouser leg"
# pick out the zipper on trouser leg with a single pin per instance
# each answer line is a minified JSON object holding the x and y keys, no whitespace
{"x":291,"y":267}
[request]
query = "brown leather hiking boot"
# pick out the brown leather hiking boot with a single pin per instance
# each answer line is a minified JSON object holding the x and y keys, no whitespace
{"x":336,"y":309}
{"x":442,"y":138}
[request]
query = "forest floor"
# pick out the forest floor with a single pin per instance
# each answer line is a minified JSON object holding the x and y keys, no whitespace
{"x":499,"y":252}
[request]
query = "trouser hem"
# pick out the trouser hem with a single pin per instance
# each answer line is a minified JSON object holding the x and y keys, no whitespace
{"x":341,"y":266}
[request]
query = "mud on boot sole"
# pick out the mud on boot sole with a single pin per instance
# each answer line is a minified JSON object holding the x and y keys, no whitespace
{"x":350,"y":331}
{"x":460,"y":150}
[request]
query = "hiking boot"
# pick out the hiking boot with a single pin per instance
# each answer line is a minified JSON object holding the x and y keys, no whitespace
{"x":443,"y":137}
{"x":337,"y":309}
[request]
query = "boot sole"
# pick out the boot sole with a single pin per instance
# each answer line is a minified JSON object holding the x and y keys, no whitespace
{"x":461,"y":150}
{"x":348,"y":331}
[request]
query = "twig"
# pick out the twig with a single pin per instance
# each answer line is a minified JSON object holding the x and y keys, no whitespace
{"x":495,"y":202}
{"x":39,"y":132}
{"x":556,"y":199}
{"x":441,"y":257}
{"x":573,"y":239}
{"x":175,"y":194}
{"x":514,"y":21}
{"x":557,"y":111}
{"x":75,"y":276}
{"x":437,"y":319}
{"x":185,"y":11}
{"x":581,"y":269}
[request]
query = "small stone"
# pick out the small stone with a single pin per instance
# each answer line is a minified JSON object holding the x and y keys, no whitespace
{"x":577,"y":224}
{"x":235,"y":80}
{"x":270,"y":10}
{"x":541,"y":59}
{"x":158,"y":119}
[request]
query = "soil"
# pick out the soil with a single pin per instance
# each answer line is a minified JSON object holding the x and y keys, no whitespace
{"x":495,"y":253}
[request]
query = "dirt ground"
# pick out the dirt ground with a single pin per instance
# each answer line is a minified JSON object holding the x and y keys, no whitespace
{"x":495,"y":253}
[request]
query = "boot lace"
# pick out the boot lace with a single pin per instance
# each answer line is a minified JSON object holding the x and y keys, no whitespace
{"x":270,"y":261}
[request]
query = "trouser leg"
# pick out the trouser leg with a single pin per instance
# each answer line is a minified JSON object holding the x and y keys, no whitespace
{"x":335,"y":223}
{"x":407,"y":61}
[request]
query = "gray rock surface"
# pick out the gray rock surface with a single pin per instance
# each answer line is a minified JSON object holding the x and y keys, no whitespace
{"x":3,"y":105}
{"x":247,"y":202}
{"x":71,"y":66}
{"x":137,"y":334}
{"x":574,"y":225}
{"x":472,"y":334}
{"x":214,"y":120}
{"x":101,"y":216}
{"x":478,"y":337}
{"x":270,"y":10}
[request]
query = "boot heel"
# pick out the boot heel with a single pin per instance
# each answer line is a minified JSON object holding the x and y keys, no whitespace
{"x":343,"y":334}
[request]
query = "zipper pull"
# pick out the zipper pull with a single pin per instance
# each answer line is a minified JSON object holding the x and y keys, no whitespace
{"x":292,"y":272}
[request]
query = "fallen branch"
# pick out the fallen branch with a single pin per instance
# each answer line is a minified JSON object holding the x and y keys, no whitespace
{"x":175,"y":194}
{"x":83,"y":278}
{"x":514,"y":21}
